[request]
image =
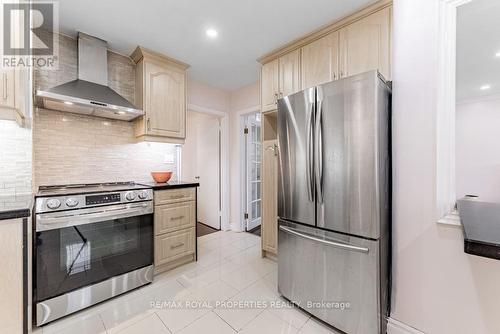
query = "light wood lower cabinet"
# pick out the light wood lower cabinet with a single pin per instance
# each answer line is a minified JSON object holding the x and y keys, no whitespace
{"x":11,"y":279}
{"x":174,"y":228}
{"x":175,"y":245}
{"x":269,"y":197}
{"x":172,"y":217}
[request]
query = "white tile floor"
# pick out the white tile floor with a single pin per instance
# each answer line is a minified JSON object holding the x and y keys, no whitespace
{"x":230,"y":289}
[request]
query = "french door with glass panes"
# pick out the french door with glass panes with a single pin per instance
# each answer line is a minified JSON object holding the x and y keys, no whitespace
{"x":253,"y":166}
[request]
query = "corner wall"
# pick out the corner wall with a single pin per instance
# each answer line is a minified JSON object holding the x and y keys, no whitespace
{"x":437,"y":288}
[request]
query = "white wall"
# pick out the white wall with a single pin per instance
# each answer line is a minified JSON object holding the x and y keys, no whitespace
{"x":438,"y":289}
{"x":478,"y":149}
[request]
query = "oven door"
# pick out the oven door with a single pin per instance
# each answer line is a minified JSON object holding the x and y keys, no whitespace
{"x":74,"y":249}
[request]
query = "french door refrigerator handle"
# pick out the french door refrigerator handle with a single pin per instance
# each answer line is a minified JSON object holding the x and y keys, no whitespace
{"x":325,"y":242}
{"x":309,"y":158}
{"x":319,"y":149}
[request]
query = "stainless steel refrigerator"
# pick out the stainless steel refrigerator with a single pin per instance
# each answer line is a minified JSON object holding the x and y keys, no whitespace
{"x":334,"y":202}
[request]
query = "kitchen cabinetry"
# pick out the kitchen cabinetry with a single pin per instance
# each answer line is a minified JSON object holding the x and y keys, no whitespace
{"x":289,"y":73}
{"x":11,"y":280}
{"x":365,"y":45}
{"x":351,"y":45}
{"x":269,"y":192}
{"x":175,"y":228}
{"x":320,"y":61}
{"x":161,"y":93}
{"x":279,"y":78}
{"x":7,"y":89}
{"x":269,"y":85}
{"x":12,"y":95}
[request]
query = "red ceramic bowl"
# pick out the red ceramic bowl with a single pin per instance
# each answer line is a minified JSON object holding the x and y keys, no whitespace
{"x":161,"y":177}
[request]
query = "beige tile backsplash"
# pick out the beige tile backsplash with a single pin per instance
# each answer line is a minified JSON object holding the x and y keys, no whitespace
{"x":15,"y":159}
{"x":70,"y":148}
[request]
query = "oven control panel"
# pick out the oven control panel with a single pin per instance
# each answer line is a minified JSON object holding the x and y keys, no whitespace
{"x":102,"y":199}
{"x":81,"y":201}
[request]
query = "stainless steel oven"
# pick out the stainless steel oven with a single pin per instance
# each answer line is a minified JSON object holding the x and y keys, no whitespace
{"x":88,"y":252}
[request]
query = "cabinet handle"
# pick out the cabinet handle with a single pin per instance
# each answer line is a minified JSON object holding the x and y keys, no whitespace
{"x":180,"y":244}
{"x":176,"y":196}
{"x":148,"y":124}
{"x":334,"y":76}
{"x":275,"y":98}
{"x":281,"y":95}
{"x":177,"y":218}
{"x":4,"y":86}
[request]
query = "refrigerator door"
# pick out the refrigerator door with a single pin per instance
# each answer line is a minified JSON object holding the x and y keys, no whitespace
{"x":334,"y":277}
{"x":296,"y":197}
{"x":352,"y":155}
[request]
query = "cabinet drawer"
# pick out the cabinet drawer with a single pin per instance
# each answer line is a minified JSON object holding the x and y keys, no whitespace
{"x":173,"y":217}
{"x":171,"y":246}
{"x":174,"y":195}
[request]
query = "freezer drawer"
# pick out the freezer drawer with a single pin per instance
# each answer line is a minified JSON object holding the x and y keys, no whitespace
{"x":332,"y":276}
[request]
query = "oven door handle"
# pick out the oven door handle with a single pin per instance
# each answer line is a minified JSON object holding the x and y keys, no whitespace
{"x":56,"y":220}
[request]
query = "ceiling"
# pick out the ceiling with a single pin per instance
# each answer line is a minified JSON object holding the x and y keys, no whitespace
{"x":478,"y":42}
{"x":246,"y":30}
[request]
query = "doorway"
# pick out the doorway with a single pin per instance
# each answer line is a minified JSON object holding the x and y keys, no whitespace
{"x":252,"y":171}
{"x":201,"y":162}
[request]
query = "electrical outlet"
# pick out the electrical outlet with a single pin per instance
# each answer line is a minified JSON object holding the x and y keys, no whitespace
{"x":169,"y":158}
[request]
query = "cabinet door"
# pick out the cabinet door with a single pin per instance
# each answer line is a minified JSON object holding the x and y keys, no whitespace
{"x":365,"y":45}
{"x":172,"y":246}
{"x":173,"y":217}
{"x":7,"y":88}
{"x":269,"y":85}
{"x":289,"y":73}
{"x":11,"y":279}
{"x":165,"y":101}
{"x":320,"y":61}
{"x":270,"y":196}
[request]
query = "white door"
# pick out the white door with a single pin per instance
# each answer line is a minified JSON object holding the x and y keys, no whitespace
{"x":253,"y":170}
{"x":201,"y":163}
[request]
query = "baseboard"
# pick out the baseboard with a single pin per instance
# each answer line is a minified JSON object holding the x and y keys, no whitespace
{"x":397,"y":327}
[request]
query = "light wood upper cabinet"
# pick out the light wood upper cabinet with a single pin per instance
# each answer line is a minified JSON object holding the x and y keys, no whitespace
{"x":270,"y":196}
{"x":320,"y":61}
{"x":289,"y":73}
{"x":7,"y":89}
{"x":269,"y":87}
{"x":161,"y":92}
{"x":365,"y":45}
{"x":280,"y":77}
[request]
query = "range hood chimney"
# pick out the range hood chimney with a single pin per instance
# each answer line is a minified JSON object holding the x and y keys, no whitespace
{"x":89,"y":94}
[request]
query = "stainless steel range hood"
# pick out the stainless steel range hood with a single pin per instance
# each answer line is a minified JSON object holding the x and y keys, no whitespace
{"x":89,"y":94}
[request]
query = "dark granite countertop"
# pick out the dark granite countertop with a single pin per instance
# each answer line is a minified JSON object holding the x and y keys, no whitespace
{"x":170,"y":185}
{"x":481,"y":225}
{"x":12,"y":206}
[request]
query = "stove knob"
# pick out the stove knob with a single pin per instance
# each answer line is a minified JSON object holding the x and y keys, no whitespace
{"x":53,"y":203}
{"x":71,"y":202}
{"x":143,"y":194}
{"x":130,"y":196}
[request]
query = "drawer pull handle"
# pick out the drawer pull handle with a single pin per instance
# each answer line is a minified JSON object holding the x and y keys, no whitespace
{"x":5,"y":86}
{"x":176,"y":196}
{"x":180,"y":244}
{"x":176,"y":218}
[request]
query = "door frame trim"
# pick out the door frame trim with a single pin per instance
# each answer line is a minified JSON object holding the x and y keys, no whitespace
{"x":224,"y":160}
